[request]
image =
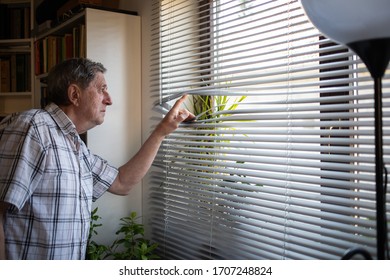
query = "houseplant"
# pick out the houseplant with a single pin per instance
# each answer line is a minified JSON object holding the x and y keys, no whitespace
{"x":130,"y":244}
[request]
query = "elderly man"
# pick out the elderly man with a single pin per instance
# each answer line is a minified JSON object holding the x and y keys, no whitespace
{"x":49,"y":178}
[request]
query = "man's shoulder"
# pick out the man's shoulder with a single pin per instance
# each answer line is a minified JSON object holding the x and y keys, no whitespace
{"x":38,"y":120}
{"x":29,"y":118}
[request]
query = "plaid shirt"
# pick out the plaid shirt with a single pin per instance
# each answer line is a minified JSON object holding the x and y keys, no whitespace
{"x":50,"y":179}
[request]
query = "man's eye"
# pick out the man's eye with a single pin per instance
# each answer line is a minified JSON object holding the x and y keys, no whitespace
{"x":102,"y":89}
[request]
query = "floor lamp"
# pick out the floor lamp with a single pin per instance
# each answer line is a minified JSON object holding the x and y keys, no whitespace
{"x":363,"y":26}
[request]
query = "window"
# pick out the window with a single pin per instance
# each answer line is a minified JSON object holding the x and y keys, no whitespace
{"x":280,"y":162}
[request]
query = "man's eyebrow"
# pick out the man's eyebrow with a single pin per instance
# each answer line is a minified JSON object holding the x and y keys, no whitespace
{"x":97,"y":84}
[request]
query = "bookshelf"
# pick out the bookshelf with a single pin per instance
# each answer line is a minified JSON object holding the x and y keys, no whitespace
{"x":16,"y":58}
{"x":61,"y":42}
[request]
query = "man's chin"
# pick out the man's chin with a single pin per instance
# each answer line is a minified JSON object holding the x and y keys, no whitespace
{"x":99,"y":122}
{"x":96,"y":123}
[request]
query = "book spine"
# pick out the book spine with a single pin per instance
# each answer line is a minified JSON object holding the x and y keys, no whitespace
{"x":5,"y":74}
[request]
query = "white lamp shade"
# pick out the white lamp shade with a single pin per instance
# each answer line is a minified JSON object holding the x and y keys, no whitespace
{"x":349,"y":21}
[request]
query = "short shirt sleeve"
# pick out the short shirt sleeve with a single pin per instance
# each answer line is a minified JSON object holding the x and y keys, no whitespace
{"x":21,"y":160}
{"x":104,"y":175}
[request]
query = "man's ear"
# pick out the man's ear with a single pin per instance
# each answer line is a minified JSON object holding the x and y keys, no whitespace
{"x":74,"y":94}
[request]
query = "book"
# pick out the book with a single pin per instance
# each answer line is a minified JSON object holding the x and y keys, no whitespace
{"x":13,"y":72}
{"x":5,"y":74}
{"x":20,"y":73}
{"x":68,"y":45}
{"x":15,"y":21}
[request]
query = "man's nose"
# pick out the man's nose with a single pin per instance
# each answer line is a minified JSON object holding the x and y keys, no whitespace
{"x":107,"y":99}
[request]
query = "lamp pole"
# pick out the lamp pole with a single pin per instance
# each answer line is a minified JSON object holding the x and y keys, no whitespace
{"x":375,"y":53}
{"x":379,"y":168}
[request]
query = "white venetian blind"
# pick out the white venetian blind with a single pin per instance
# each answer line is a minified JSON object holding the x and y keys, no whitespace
{"x":280,"y":162}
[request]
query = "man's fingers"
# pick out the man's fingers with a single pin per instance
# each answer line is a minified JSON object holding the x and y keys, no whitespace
{"x":179,"y":102}
{"x":181,"y":114}
{"x":184,"y":116}
{"x":190,"y":117}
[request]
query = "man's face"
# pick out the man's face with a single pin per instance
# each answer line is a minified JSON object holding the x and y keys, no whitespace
{"x":94,"y":101}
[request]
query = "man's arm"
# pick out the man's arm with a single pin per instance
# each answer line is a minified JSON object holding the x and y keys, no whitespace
{"x":135,"y":169}
{"x":3,"y":209}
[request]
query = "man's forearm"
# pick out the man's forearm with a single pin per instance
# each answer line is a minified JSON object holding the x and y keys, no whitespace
{"x":135,"y":169}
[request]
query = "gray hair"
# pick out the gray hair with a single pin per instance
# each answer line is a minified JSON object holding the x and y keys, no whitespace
{"x":79,"y":71}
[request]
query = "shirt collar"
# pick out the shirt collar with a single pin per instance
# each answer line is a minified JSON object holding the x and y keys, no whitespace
{"x":62,"y":120}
